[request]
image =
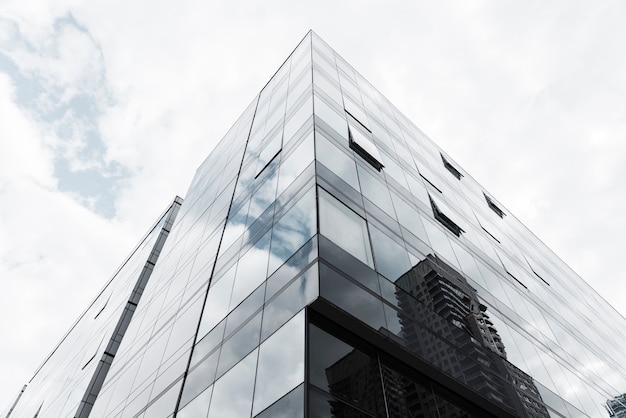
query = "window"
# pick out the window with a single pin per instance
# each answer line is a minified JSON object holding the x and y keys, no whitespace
{"x":452,"y":169}
{"x":445,"y":220}
{"x":360,"y":142}
{"x":493,"y":206}
{"x":344,"y":227}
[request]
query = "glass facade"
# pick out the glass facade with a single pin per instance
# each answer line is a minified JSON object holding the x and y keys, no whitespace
{"x":330,"y":260}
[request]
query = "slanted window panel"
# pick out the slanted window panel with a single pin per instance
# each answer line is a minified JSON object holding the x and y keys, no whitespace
{"x":362,"y":144}
{"x":445,"y":220}
{"x":493,"y":206}
{"x":452,"y":169}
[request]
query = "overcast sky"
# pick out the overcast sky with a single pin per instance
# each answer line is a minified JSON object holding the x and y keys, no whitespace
{"x":108,"y":107}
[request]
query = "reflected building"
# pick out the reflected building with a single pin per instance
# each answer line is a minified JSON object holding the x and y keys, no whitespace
{"x":330,"y":260}
{"x":616,"y":407}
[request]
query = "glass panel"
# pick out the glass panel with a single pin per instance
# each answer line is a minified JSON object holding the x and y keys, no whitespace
{"x":269,"y":152}
{"x":330,"y":116}
{"x":409,"y":217}
{"x":344,"y":227}
{"x":232,"y":394}
{"x":407,"y":397}
{"x":295,"y":228}
{"x":375,"y":191}
{"x":294,"y":266}
{"x":251,"y":270}
{"x":198,"y":407}
{"x":392,"y":259}
{"x":337,"y":161}
{"x":199,"y":379}
{"x":323,"y":406}
{"x":239,"y":345}
{"x":289,"y":406}
{"x":281,"y":363}
{"x":346,"y":373}
{"x":218,"y":299}
{"x":295,"y":163}
{"x":351,"y":298}
{"x":297,"y":120}
{"x":297,"y":295}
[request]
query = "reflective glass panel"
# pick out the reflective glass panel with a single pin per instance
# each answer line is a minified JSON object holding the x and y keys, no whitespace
{"x":232,"y":394}
{"x":344,"y":227}
{"x":281,"y":363}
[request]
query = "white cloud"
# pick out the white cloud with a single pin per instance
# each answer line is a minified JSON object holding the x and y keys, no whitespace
{"x":527,"y":97}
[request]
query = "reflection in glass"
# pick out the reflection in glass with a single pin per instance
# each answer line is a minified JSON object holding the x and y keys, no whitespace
{"x":289,"y":406}
{"x":344,"y":227}
{"x":199,"y":379}
{"x":351,"y":298}
{"x":375,"y":190}
{"x":239,"y":345}
{"x":217,"y":302}
{"x":392,"y":259}
{"x":447,"y":325}
{"x":337,"y":161}
{"x":251,"y":270}
{"x":281,"y":363}
{"x":295,"y":163}
{"x":198,"y":407}
{"x":292,"y":230}
{"x":296,"y":296}
{"x":346,"y":373}
{"x":232,"y":393}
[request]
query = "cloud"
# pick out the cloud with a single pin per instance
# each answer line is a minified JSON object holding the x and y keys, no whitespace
{"x":54,"y":255}
{"x":131,"y":97}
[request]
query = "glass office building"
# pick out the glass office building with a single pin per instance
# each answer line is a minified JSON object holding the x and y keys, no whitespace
{"x":329,"y":260}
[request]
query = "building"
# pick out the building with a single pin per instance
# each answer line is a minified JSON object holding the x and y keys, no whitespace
{"x":330,"y":260}
{"x":617,"y":406}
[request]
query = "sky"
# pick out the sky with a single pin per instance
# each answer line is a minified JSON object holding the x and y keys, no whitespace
{"x":108,"y":107}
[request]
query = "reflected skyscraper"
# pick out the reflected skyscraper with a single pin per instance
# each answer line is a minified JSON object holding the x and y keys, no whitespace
{"x":330,"y":260}
{"x":617,"y":406}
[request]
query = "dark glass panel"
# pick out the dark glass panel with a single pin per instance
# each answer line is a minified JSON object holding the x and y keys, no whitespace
{"x":324,"y":406}
{"x":346,"y":373}
{"x":392,"y":259}
{"x":407,"y":398}
{"x":350,"y":297}
{"x":342,"y":260}
{"x":289,"y":406}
